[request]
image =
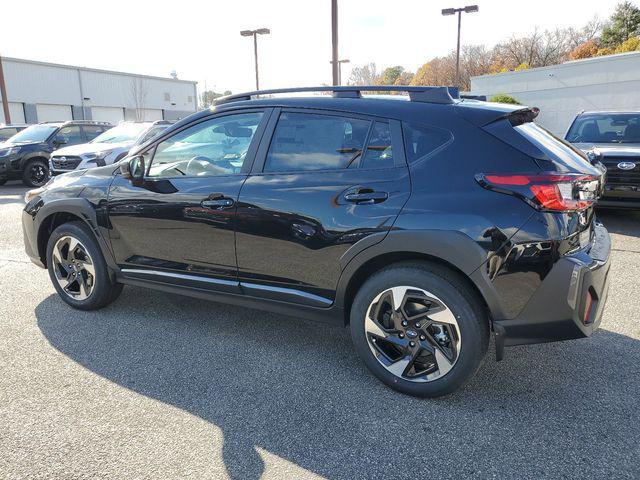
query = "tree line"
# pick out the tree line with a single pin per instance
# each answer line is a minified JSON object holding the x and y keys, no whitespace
{"x":618,"y":34}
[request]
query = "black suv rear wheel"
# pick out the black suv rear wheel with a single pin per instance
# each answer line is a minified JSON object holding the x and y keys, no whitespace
{"x":36,"y":173}
{"x":419,"y":329}
{"x":77,"y":268}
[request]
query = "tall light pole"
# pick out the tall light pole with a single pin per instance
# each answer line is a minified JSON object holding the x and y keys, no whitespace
{"x":340,"y":62}
{"x":254,"y":34}
{"x":453,"y":11}
{"x":335,"y":66}
{"x":5,"y":100}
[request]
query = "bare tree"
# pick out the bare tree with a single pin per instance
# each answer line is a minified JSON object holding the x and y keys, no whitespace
{"x":139,"y":91}
{"x":365,"y":75}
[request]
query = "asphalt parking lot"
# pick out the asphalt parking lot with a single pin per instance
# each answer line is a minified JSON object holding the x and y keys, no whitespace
{"x":161,"y":386}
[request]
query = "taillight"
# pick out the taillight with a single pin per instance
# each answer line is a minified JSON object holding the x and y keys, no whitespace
{"x":546,"y":191}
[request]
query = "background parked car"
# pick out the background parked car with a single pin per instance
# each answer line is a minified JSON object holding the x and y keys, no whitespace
{"x":109,"y":147}
{"x":8,"y":131}
{"x":614,"y":139}
{"x":25,"y":155}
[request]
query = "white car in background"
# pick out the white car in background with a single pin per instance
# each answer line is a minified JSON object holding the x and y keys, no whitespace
{"x":107,"y":148}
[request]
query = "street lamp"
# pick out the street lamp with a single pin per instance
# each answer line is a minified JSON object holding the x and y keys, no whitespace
{"x":254,"y":34}
{"x":453,"y":11}
{"x":340,"y":62}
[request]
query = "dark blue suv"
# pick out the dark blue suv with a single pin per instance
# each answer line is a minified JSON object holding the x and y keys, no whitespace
{"x":427,"y":223}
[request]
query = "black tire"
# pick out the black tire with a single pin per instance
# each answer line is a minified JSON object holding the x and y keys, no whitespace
{"x":468,"y":310}
{"x":104,"y":289}
{"x":3,"y":181}
{"x":35,"y":173}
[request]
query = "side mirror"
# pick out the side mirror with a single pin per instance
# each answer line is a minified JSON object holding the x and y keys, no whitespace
{"x":59,"y":141}
{"x":133,"y":169}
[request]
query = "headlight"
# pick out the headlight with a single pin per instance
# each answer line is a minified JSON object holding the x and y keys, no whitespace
{"x":5,"y":152}
{"x":89,"y":157}
{"x":31,"y":194}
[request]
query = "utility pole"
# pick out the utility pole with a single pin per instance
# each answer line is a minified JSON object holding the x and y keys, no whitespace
{"x":335,"y":66}
{"x":5,"y":100}
{"x":459,"y":11}
{"x":254,"y":34}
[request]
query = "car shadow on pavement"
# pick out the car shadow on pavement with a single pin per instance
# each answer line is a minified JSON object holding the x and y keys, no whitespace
{"x":297,"y":390}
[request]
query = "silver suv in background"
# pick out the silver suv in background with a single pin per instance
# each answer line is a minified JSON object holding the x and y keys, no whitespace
{"x":613,"y":138}
{"x":107,"y":148}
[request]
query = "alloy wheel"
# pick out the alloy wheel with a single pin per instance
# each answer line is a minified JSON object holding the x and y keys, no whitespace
{"x":412,"y":334}
{"x":37,"y":174}
{"x":73,"y":267}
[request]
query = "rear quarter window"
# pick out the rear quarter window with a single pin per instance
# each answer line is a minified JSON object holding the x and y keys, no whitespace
{"x":420,"y":141}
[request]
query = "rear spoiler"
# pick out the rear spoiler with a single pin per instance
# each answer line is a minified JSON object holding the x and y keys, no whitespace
{"x":482,"y":114}
{"x":524,"y":115}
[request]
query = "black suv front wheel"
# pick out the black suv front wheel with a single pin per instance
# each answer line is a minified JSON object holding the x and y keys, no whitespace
{"x":36,"y":173}
{"x":77,"y":268}
{"x":419,"y":329}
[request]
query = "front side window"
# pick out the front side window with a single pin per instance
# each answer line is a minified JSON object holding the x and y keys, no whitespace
{"x":69,"y":135}
{"x":308,"y":141}
{"x":216,"y":147}
{"x":605,"y":128}
{"x":421,"y":140}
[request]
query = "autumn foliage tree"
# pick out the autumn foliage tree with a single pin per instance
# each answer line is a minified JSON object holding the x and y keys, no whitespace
{"x":620,"y":34}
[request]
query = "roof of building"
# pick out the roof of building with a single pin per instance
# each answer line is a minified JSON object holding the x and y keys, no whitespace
{"x":97,"y":70}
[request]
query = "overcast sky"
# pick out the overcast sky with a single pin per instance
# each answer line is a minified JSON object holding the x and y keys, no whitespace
{"x":201,"y":40}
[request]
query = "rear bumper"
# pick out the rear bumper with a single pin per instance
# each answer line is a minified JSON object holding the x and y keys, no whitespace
{"x":569,"y":302}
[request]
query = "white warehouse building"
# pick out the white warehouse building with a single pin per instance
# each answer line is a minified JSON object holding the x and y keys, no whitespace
{"x":561,"y":91}
{"x":41,"y":92}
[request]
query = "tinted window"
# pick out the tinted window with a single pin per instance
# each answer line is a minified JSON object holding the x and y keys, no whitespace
{"x":215,"y":147}
{"x":69,"y":135}
{"x":420,"y":140}
{"x":149,"y":134}
{"x":34,"y":133}
{"x":557,"y":149}
{"x":92,"y":131}
{"x":606,"y":128}
{"x":379,"y":153}
{"x":306,"y":141}
{"x":125,"y":132}
{"x":6,"y":133}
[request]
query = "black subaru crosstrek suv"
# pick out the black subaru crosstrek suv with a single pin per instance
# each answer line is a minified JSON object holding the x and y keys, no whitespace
{"x":25,"y":156}
{"x":424,"y":222}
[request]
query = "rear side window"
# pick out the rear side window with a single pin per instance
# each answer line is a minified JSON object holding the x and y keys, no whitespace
{"x":308,"y":141}
{"x":379,"y":152}
{"x":421,"y":140}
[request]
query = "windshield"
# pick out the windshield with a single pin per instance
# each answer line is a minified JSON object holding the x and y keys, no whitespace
{"x":34,"y":133}
{"x":127,"y":132}
{"x":606,"y":128}
{"x":152,"y":132}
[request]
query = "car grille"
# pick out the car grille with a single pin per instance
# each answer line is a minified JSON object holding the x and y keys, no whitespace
{"x":618,"y":176}
{"x":65,"y":163}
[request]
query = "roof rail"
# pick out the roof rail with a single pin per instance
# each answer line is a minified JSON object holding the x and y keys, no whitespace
{"x":88,"y":122}
{"x":439,"y":95}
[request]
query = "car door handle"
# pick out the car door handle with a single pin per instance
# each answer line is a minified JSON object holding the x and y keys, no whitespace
{"x":366,"y":197}
{"x":217,"y":200}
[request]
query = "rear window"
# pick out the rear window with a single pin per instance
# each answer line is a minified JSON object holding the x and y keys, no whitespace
{"x":551,"y":145}
{"x":421,"y":140}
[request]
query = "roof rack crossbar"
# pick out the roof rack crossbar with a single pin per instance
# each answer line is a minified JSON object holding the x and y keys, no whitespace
{"x":441,"y":95}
